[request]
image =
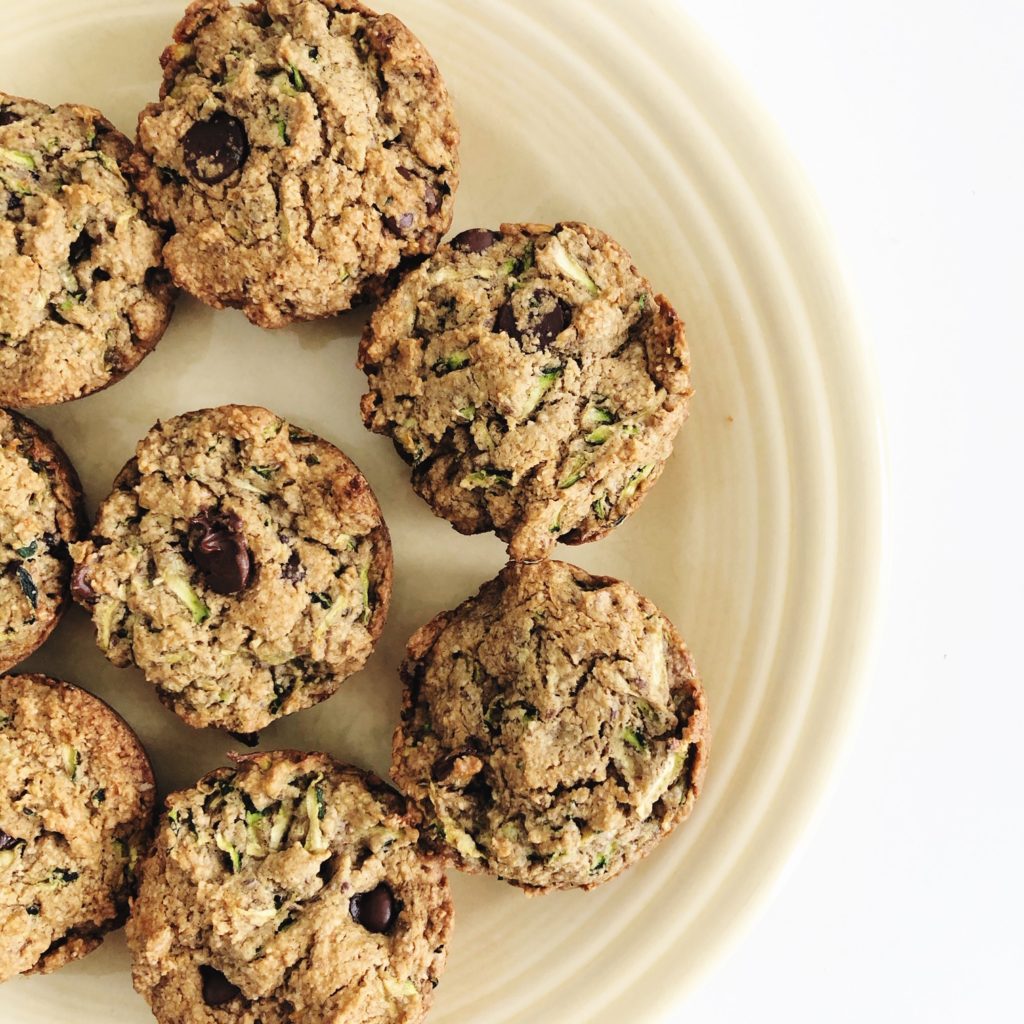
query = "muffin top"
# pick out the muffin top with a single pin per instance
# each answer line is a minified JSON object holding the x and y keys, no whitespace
{"x":85,"y":297}
{"x":302,"y":149}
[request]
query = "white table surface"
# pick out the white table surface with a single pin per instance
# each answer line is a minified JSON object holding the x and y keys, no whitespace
{"x":905,"y":901}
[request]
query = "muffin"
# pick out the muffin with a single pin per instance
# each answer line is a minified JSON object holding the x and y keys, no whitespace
{"x":533,"y":380}
{"x":85,"y":297}
{"x":241,"y":563}
{"x":41,"y":512}
{"x":75,"y":818}
{"x":554,"y":728}
{"x":289,"y":888}
{"x":302,"y":150}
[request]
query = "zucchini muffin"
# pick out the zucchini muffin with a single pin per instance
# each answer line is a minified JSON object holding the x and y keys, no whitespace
{"x":289,"y":888}
{"x":533,"y":380}
{"x":242,"y":563}
{"x":302,"y":150}
{"x":85,"y":298}
{"x":41,"y":512}
{"x":553,"y":730}
{"x":76,"y":815}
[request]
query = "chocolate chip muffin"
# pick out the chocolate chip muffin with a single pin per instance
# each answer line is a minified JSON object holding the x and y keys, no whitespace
{"x":41,"y":512}
{"x":533,"y":380}
{"x":554,"y":729}
{"x":289,"y":888}
{"x":241,"y":563}
{"x":75,"y":817}
{"x":302,"y":149}
{"x":85,"y":298}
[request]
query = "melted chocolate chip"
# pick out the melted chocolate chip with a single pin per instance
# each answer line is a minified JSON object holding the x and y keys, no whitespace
{"x":543,"y":326}
{"x":475,"y":240}
{"x":218,"y":548}
{"x":217,"y":990}
{"x":81,"y":247}
{"x":81,"y":588}
{"x":8,"y":116}
{"x":7,"y":842}
{"x":400,"y":226}
{"x":215,"y":148}
{"x":376,"y":910}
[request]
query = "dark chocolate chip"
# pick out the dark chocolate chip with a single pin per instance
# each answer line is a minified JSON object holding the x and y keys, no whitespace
{"x":7,"y":842}
{"x":328,"y":869}
{"x":13,"y":202}
{"x":157,"y":277}
{"x":218,"y":548}
{"x":8,"y":116}
{"x":376,"y":910}
{"x":250,"y":739}
{"x":406,"y":173}
{"x":81,"y":247}
{"x":552,"y":323}
{"x":216,"y":148}
{"x":99,"y":274}
{"x":293,"y":570}
{"x":475,"y":240}
{"x":81,"y":588}
{"x":217,"y":990}
{"x":506,"y":321}
{"x":400,"y":226}
{"x":432,"y":200}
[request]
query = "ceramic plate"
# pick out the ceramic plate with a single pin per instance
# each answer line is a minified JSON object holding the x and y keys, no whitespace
{"x":761,"y":542}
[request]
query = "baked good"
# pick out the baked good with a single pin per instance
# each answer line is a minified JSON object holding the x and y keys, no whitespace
{"x":85,"y":298}
{"x":241,"y":563}
{"x":302,"y":149}
{"x":41,"y":512}
{"x":289,"y":888}
{"x":533,"y":380}
{"x":75,"y":817}
{"x":553,"y":728}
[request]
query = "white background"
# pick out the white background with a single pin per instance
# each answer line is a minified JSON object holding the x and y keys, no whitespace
{"x":906,"y":900}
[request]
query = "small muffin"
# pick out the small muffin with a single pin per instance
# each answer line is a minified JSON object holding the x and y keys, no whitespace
{"x":289,"y":888}
{"x":533,"y":380}
{"x":302,"y":149}
{"x":41,"y":512}
{"x":242,"y":563}
{"x":553,"y":730}
{"x":75,"y":818}
{"x":84,"y":298}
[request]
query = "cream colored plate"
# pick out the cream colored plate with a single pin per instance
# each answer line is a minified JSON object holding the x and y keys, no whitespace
{"x":762,"y":542}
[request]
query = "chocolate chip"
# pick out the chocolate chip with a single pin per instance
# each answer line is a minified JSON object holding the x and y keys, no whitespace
{"x":216,"y":148}
{"x":13,"y":202}
{"x":552,"y":323}
{"x":376,"y":910}
{"x":293,"y":570}
{"x":406,"y":173}
{"x":475,"y":240}
{"x":218,"y":548}
{"x":81,"y":588}
{"x":8,"y":116}
{"x":432,"y":200}
{"x":506,"y":322}
{"x":400,"y":226}
{"x":217,"y":990}
{"x":7,"y":842}
{"x":81,"y":247}
{"x":99,"y":274}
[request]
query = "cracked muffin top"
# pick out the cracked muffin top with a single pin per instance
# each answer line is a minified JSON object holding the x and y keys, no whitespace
{"x":301,"y":149}
{"x":240,"y":562}
{"x":553,"y":730}
{"x":84,"y":297}
{"x":533,"y":380}
{"x":289,"y":888}
{"x":75,"y":817}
